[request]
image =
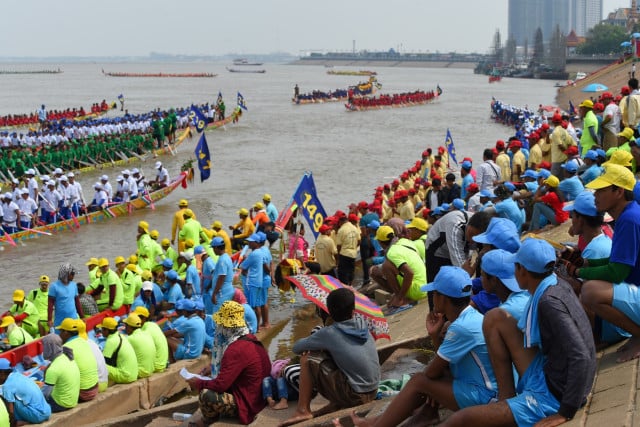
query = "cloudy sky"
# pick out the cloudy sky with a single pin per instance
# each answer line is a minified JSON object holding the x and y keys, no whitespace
{"x":213,"y":27}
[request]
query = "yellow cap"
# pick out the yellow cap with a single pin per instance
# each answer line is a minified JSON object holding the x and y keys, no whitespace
{"x":144,"y":225}
{"x":18,"y":295}
{"x":258,"y":205}
{"x":216,"y":224}
{"x":620,"y":157}
{"x":189,"y":243}
{"x":266,"y":197}
{"x":552,"y":181}
{"x":44,"y":279}
{"x":146,"y":275}
{"x":132,"y":267}
{"x":82,"y":329}
{"x":133,"y":259}
{"x":103,"y":262}
{"x":118,"y":260}
{"x":384,"y":233}
{"x":243,"y":212}
{"x":419,"y":224}
{"x":6,"y":321}
{"x":68,"y":324}
{"x":141,"y":311}
{"x":187,"y":213}
{"x":133,"y":320}
{"x":587,"y":103}
{"x":614,"y":175}
{"x":183,"y":203}
{"x":154,"y":234}
{"x":92,"y":261}
{"x":627,"y":133}
{"x":108,"y":323}
{"x":165,"y":243}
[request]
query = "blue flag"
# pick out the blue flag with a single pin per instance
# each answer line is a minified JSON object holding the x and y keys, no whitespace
{"x":121,"y":97}
{"x":572,"y":109}
{"x":308,"y":203}
{"x":198,"y":119}
{"x":241,"y":103}
{"x":204,"y":158}
{"x":448,"y":142}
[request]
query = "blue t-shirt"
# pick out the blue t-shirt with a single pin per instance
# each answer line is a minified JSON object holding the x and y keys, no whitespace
{"x":571,"y":187}
{"x":509,"y":209}
{"x":193,"y":336}
{"x":466,"y":351}
{"x":626,"y":242}
{"x":367,"y":218}
{"x":598,"y":248}
{"x":18,"y":388}
{"x":207,"y":276}
{"x":250,"y":318}
{"x":253,"y":265}
{"x":139,"y":302}
{"x":224,"y":267}
{"x":174,"y":294}
{"x":266,"y":260}
{"x":516,"y":303}
{"x":272,"y":212}
{"x":194,"y":278}
{"x":468,"y":179}
{"x":591,"y":173}
{"x":529,"y":324}
{"x":532,"y":186}
{"x":65,"y":301}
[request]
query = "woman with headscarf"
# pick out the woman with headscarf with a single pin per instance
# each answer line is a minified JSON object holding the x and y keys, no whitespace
{"x":239,"y":362}
{"x":62,"y":377}
{"x":63,"y":297}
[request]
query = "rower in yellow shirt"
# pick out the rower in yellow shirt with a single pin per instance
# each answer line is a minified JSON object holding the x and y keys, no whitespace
{"x":178,"y":222}
{"x":217,"y":227}
{"x":243,"y":229}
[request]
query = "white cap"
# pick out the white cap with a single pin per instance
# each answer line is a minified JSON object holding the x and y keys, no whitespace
{"x":24,"y":191}
{"x":8,"y":196}
{"x":147,"y":286}
{"x":104,"y":178}
{"x":57,"y":171}
{"x":119,"y":178}
{"x":51,"y":183}
{"x":15,"y":181}
{"x":158,"y":165}
{"x":30,"y":172}
{"x":45,"y":178}
{"x":126,"y":172}
{"x":135,"y":171}
{"x":63,"y":178}
{"x":97,"y":186}
{"x":70,"y":175}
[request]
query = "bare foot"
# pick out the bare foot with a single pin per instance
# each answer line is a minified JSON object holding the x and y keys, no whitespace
{"x":282,"y":404}
{"x":265,"y":326}
{"x":359,"y":421}
{"x":271,"y":402}
{"x":298,"y":417}
{"x":631,"y":350}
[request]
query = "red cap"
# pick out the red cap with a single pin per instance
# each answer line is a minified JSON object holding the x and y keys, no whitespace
{"x":441,"y":149}
{"x":379,"y":189}
{"x":437,"y":163}
{"x":362,"y":204}
{"x":412,"y":191}
{"x":534,"y":136}
{"x":467,"y":159}
{"x":625,"y":90}
{"x":564,"y":124}
{"x":598,"y":106}
{"x":425,"y":153}
{"x":571,"y":151}
{"x":545,"y":165}
{"x":395,"y":182}
{"x":606,"y":95}
{"x":324,"y":228}
{"x":404,"y":175}
{"x":473,"y":188}
{"x":544,"y":126}
{"x":329,"y":220}
{"x":494,"y":150}
{"x":354,"y":218}
{"x":515,"y":144}
{"x":557,"y":118}
{"x":500,"y":144}
{"x":426,"y":212}
{"x":386,"y":187}
{"x":339,"y":214}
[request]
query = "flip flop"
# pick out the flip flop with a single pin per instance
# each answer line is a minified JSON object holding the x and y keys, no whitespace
{"x":390,"y":311}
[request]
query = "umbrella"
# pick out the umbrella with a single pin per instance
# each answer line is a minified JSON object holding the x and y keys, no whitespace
{"x":594,"y":87}
{"x":625,"y":44}
{"x":635,"y":35}
{"x":316,"y":288}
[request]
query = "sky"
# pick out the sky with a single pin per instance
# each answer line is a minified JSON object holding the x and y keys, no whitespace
{"x":41,"y":28}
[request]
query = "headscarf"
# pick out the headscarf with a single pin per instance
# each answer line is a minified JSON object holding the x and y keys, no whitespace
{"x":238,"y":296}
{"x":65,"y":271}
{"x":223,"y":338}
{"x":399,"y":228}
{"x":52,"y":348}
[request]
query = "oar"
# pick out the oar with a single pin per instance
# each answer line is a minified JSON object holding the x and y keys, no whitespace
{"x":83,"y":163}
{"x":133,"y":153}
{"x":153,"y":206}
{"x":9,"y":239}
{"x":122,"y":156}
{"x":73,"y":217}
{"x":4,"y":177}
{"x":36,"y":231}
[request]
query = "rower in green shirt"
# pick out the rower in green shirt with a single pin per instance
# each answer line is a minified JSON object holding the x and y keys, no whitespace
{"x":40,"y":299}
{"x":25,"y":313}
{"x":123,"y":365}
{"x":83,"y":356}
{"x":143,"y":345}
{"x":161,"y":356}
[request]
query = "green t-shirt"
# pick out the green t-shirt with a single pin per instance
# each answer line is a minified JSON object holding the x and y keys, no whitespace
{"x":586,"y":141}
{"x":110,"y":278}
{"x":41,"y":301}
{"x":404,"y":252}
{"x":18,"y":336}
{"x":125,"y":369}
{"x":4,"y":415}
{"x":30,"y":323}
{"x":160,"y":342}
{"x":63,"y":374}
{"x":145,"y":349}
{"x":130,"y":281}
{"x":87,"y":365}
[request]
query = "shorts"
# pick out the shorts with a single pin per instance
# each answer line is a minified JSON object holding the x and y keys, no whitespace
{"x":333,"y":384}
{"x":255,"y":296}
{"x":534,"y":400}
{"x":471,"y":394}
{"x":626,"y":298}
{"x":608,"y":332}
{"x":180,"y":352}
{"x":214,"y":405}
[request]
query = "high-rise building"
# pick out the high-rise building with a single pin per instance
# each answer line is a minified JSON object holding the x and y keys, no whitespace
{"x":526,"y":16}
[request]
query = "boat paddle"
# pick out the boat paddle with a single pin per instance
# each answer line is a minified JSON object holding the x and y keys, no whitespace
{"x":153,"y":206}
{"x":74,"y":218}
{"x":31,"y":230}
{"x":9,"y":239}
{"x":122,"y":156}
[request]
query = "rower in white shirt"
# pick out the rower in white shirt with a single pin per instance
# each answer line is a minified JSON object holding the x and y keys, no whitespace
{"x":28,"y":210}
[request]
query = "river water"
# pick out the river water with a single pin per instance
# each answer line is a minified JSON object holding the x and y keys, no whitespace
{"x":349,"y":153}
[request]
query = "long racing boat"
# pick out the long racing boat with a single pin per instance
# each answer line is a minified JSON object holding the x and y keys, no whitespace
{"x":395,"y":100}
{"x":114,"y":211}
{"x":320,"y":97}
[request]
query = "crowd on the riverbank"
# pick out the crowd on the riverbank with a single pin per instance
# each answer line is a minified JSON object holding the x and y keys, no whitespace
{"x":42,"y":115}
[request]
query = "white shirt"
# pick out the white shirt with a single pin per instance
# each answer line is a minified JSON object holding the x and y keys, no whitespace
{"x":50,"y":200}
{"x":33,"y":187}
{"x":163,"y":176}
{"x":132,"y":187}
{"x":27,"y":208}
{"x":78,"y":187}
{"x":108,"y":189}
{"x":9,"y":213}
{"x":486,"y":174}
{"x":614,"y":111}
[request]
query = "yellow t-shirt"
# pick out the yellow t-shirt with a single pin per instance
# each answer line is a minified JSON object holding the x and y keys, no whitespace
{"x":535,"y":155}
{"x":504,"y":162}
{"x":518,"y":160}
{"x":347,"y":240}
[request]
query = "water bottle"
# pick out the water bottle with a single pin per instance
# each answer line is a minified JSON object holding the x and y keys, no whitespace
{"x":179,"y":416}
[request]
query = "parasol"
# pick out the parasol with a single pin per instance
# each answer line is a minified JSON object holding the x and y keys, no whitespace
{"x":316,"y":287}
{"x":625,"y":44}
{"x":595,"y":87}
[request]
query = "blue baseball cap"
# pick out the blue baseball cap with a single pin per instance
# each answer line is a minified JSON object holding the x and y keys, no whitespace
{"x":571,"y":166}
{"x":534,"y":255}
{"x":5,"y":365}
{"x":189,"y":305}
{"x":493,"y":263}
{"x":466,"y":165}
{"x":544,"y":173}
{"x":445,"y":207}
{"x":458,"y":204}
{"x":529,"y":173}
{"x":171,"y":275}
{"x":451,"y":281}
{"x":436,"y":211}
{"x":253,"y":238}
{"x":601,"y":153}
{"x":180,"y":304}
{"x":510,"y":186}
{"x":262,"y":236}
{"x":217,"y":241}
{"x":592,"y":155}
{"x":168,"y":263}
{"x":487,"y":193}
{"x":198,"y":250}
{"x":584,"y":204}
{"x":374,"y":225}
{"x":198,"y":305}
{"x":501,"y":233}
